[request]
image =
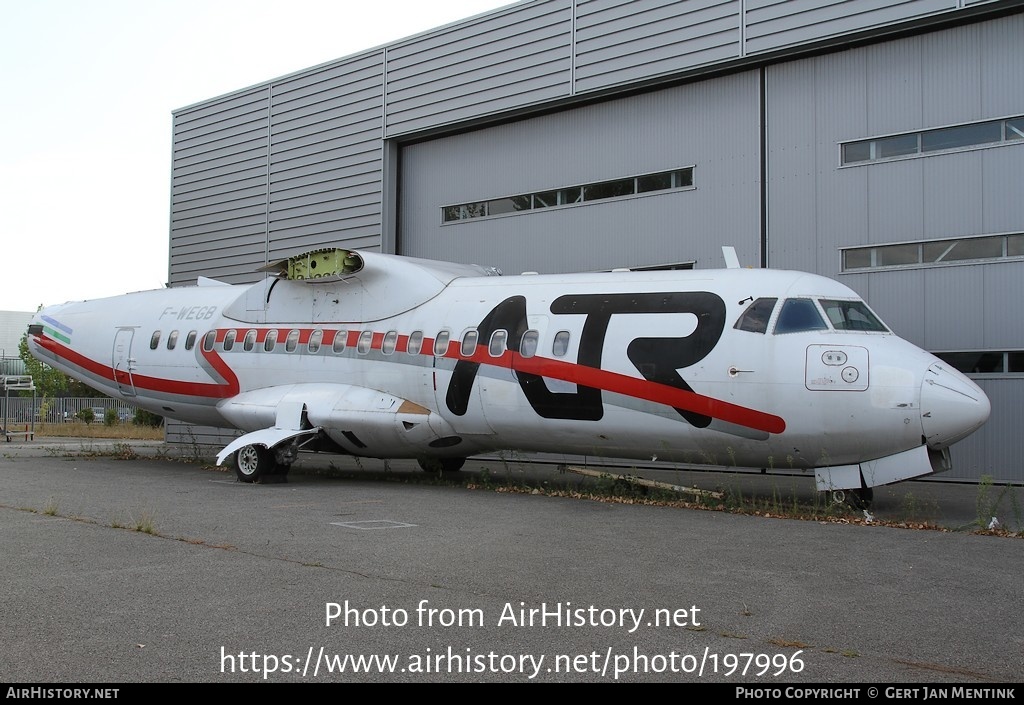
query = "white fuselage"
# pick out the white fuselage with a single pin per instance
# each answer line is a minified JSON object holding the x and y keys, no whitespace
{"x":630,"y":365}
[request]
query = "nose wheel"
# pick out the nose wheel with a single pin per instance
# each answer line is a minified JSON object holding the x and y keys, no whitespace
{"x":253,"y":462}
{"x":441,"y":465}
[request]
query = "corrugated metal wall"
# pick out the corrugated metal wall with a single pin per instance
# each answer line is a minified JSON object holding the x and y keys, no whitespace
{"x":513,"y":58}
{"x":219,"y":188}
{"x":325,"y":158}
{"x":712,"y":125}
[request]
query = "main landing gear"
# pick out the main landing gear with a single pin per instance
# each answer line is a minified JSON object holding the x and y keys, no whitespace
{"x":441,"y":465}
{"x":856,"y":498}
{"x":257,"y":463}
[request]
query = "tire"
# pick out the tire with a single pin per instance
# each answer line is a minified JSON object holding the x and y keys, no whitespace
{"x":441,"y":465}
{"x":253,"y":462}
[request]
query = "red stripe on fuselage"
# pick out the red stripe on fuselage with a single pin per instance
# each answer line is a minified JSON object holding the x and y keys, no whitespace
{"x":154,"y":384}
{"x":545,"y":367}
{"x":631,"y":387}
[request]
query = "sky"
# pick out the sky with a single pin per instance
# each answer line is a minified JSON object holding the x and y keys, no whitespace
{"x":87,"y":88}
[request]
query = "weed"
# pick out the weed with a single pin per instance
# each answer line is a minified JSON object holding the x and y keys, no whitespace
{"x":50,"y":508}
{"x":850,"y":653}
{"x":987,"y":507}
{"x":124,"y":451}
{"x":144,"y":524}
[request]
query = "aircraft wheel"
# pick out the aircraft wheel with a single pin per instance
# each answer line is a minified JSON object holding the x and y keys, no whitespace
{"x":440,"y":465}
{"x":855,"y":499}
{"x":253,"y":462}
{"x":860,"y":499}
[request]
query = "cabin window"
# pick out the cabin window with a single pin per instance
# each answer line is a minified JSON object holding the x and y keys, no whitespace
{"x":172,"y":339}
{"x":415,"y":343}
{"x":852,"y":315}
{"x":340,"y":338}
{"x":229,"y":339}
{"x":560,"y":345}
{"x":365,"y":342}
{"x":250,"y":341}
{"x":271,"y":342}
{"x":755,"y":318}
{"x":315,"y":339}
{"x":208,"y":340}
{"x":190,"y":339}
{"x":154,"y":342}
{"x":469,"y":341}
{"x":798,"y":315}
{"x":390,"y":342}
{"x":292,"y":341}
{"x":528,"y":345}
{"x":441,"y":343}
{"x":499,"y":341}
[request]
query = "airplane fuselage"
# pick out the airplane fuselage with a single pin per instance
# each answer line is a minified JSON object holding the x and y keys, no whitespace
{"x":748,"y":368}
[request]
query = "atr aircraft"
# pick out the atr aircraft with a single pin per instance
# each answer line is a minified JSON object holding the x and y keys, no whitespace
{"x":386,"y":356}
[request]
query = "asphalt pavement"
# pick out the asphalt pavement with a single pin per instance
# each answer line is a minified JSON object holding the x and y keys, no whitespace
{"x":124,"y":564}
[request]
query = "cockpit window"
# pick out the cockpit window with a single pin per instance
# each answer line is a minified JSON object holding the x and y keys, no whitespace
{"x":755,"y":318}
{"x":852,"y":315}
{"x":799,"y":315}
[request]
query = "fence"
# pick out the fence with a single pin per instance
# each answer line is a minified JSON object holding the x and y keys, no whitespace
{"x":61,"y":409}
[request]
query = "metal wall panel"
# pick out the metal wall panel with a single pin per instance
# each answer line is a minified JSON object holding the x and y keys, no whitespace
{"x":1002,"y":174}
{"x":622,"y":40}
{"x":899,"y":298}
{"x":953,"y":298}
{"x":325,"y":161}
{"x":1004,"y":289}
{"x":893,"y":100}
{"x":219,"y":188}
{"x":1002,"y":81}
{"x":505,"y":60}
{"x":996,"y":448}
{"x":712,"y":125}
{"x":772,"y":24}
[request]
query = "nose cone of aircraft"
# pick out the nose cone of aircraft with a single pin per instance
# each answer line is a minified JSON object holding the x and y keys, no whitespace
{"x":952,"y":406}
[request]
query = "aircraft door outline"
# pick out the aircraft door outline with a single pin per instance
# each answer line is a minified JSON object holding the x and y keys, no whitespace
{"x":123,"y":363}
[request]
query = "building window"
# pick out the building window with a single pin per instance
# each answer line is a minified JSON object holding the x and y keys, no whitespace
{"x":985,"y":362}
{"x":674,"y":180}
{"x":933,"y":253}
{"x":944,"y":139}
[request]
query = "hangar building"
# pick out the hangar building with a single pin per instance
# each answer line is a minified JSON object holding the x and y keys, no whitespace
{"x":878,"y":143}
